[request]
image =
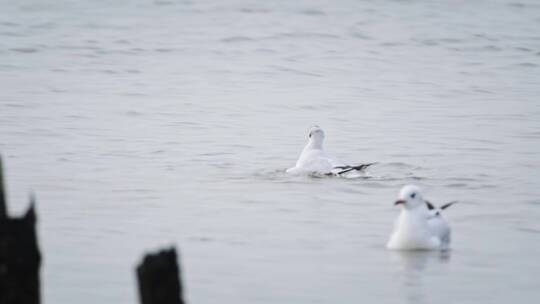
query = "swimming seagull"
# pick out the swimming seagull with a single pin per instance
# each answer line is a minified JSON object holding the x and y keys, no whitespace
{"x":420,"y":226}
{"x":314,"y":159}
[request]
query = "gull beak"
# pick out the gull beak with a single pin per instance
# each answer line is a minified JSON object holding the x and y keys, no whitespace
{"x":399,"y":202}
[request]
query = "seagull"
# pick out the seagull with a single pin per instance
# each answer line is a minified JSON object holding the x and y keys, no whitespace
{"x":314,"y":159}
{"x":420,"y":226}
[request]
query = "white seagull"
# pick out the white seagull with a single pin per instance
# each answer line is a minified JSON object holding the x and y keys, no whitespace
{"x":420,"y":226}
{"x":314,"y":159}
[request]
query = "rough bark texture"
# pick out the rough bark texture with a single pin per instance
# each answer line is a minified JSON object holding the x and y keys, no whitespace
{"x":159,"y":281}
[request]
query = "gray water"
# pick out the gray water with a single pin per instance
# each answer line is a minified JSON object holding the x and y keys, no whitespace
{"x":143,"y":124}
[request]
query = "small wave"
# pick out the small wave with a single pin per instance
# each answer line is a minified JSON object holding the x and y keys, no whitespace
{"x":164,"y":50}
{"x":236,"y":39}
{"x":391,"y":44}
{"x":122,"y":42}
{"x":134,"y":113}
{"x":9,"y":24}
{"x":312,"y":12}
{"x":361,"y":36}
{"x":163,"y":2}
{"x":201,"y":239}
{"x":527,"y":65}
{"x":272,"y":174}
{"x":523,"y":49}
{"x":529,"y":230}
{"x":296,"y":71}
{"x":463,"y":179}
{"x":247,"y":10}
{"x":378,"y":184}
{"x":457,"y":185}
{"x":471,"y":186}
{"x":11,"y":34}
{"x":26,"y":50}
{"x":304,"y":35}
{"x":399,"y":165}
{"x":205,"y":154}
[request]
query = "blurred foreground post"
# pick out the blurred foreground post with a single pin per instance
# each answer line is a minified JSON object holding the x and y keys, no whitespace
{"x":19,"y":255}
{"x":159,"y":280}
{"x":3,"y":211}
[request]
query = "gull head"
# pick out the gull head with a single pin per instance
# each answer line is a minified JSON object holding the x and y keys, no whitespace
{"x":316,"y":134}
{"x":410,"y":197}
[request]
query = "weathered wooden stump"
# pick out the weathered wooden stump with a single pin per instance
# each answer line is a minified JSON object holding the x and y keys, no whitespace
{"x":3,"y":211}
{"x":20,"y":258}
{"x":159,"y":281}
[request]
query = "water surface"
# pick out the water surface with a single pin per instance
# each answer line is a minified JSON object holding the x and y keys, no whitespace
{"x":142,"y":124}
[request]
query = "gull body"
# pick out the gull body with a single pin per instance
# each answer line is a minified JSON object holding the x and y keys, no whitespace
{"x":314,"y":159}
{"x":418,"y":227}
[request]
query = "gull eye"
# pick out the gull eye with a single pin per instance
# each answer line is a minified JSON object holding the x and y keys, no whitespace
{"x":413,"y":195}
{"x":309,"y":135}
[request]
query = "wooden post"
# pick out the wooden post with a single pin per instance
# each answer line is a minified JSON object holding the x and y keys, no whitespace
{"x":3,"y":203}
{"x":20,"y":259}
{"x":158,"y":276}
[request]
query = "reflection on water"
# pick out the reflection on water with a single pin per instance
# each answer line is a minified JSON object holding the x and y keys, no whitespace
{"x":413,"y":266}
{"x":415,"y":262}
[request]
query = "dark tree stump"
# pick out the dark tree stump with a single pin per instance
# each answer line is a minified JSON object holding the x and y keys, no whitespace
{"x":19,"y":260}
{"x":19,"y":256}
{"x":159,"y":281}
{"x":3,"y":208}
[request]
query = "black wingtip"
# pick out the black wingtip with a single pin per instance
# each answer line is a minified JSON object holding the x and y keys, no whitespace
{"x":346,"y":169}
{"x":430,"y":205}
{"x":363,"y":166}
{"x":448,"y":205}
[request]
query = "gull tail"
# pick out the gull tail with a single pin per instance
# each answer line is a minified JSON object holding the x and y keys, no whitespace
{"x":345,"y":169}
